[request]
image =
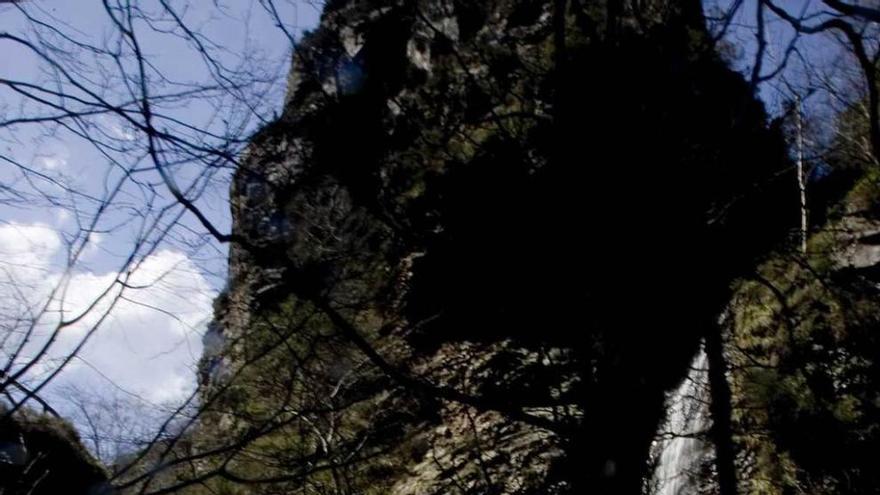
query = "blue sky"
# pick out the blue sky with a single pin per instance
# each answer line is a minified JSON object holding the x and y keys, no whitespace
{"x":148,"y":345}
{"x":146,"y":348}
{"x":825,"y":58}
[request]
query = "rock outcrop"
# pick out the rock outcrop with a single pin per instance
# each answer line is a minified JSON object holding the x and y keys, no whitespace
{"x":487,"y":237}
{"x":804,"y":345}
{"x":43,"y":455}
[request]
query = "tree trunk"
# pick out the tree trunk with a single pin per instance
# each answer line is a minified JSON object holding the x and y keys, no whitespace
{"x":720,"y":410}
{"x":802,"y":183}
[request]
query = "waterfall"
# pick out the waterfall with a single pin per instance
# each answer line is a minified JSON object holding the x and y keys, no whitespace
{"x":681,"y":448}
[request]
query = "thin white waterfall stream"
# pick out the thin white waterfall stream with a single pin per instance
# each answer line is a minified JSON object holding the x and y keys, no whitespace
{"x":682,"y":448}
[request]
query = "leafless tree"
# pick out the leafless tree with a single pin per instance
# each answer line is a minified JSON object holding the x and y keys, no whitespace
{"x":160,"y":171}
{"x":157,"y":157}
{"x":815,"y":59}
{"x":163,"y":144}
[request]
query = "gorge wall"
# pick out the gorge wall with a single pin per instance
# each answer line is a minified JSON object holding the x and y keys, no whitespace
{"x":482,"y":241}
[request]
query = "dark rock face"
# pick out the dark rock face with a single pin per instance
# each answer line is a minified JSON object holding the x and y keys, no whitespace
{"x":539,"y":208}
{"x":42,"y":455}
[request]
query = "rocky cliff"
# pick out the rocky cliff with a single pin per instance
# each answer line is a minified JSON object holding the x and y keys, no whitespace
{"x":482,"y":241}
{"x":805,"y":353}
{"x":41,"y":454}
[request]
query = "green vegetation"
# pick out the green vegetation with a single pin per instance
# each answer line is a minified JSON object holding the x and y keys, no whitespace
{"x":804,"y":343}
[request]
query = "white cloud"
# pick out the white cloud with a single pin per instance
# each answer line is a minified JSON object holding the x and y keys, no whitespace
{"x":93,"y":247}
{"x":118,"y":128}
{"x":52,"y":162}
{"x":21,"y":239}
{"x":152,"y":337}
{"x":27,"y":253}
{"x":52,"y":155}
{"x":61,"y":216}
